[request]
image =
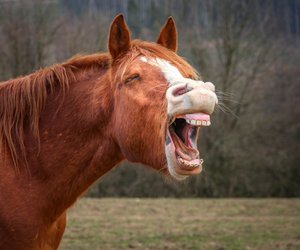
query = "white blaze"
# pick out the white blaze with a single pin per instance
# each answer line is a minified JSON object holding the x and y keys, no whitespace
{"x":170,"y":72}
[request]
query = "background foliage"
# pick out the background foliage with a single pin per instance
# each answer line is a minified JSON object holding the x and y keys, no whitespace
{"x":248,"y":48}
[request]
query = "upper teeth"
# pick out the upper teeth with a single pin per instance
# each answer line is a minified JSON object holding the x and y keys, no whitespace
{"x":198,"y":123}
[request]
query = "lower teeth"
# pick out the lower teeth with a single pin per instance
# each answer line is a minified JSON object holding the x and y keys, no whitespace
{"x":189,"y":165}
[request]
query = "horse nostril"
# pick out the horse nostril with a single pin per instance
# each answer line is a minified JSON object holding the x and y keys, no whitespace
{"x":181,"y":90}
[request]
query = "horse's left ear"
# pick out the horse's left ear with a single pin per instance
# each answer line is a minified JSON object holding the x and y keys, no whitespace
{"x":168,"y":35}
{"x":119,"y":37}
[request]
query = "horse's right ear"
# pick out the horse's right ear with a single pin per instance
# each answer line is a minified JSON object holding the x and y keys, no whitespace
{"x":168,"y":35}
{"x":119,"y":37}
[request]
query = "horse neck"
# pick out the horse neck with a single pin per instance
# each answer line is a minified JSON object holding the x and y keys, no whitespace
{"x":76,"y":142}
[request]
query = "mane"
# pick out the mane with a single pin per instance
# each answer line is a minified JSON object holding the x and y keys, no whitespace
{"x":23,"y":99}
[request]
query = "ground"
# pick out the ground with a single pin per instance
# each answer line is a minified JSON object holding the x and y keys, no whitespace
{"x":217,"y":224}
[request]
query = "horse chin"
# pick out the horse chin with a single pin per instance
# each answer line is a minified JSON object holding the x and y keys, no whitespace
{"x":182,"y":155}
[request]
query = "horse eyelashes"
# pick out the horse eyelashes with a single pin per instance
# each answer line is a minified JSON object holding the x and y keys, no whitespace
{"x":131,"y":78}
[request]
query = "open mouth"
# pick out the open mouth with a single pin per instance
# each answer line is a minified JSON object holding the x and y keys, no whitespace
{"x":183,"y":135}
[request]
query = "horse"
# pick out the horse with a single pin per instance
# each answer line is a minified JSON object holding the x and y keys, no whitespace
{"x":64,"y":126}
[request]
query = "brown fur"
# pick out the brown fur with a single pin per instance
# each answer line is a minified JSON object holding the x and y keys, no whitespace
{"x":70,"y":124}
{"x":23,"y":99}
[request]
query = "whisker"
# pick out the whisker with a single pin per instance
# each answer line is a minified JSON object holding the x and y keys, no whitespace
{"x":228,"y":99}
{"x":224,"y":93}
{"x":227,"y":110}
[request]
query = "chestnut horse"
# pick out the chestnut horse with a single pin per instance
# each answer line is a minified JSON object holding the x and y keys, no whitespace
{"x":63,"y":127}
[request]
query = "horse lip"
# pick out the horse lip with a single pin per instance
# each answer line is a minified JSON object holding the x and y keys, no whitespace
{"x":185,"y":171}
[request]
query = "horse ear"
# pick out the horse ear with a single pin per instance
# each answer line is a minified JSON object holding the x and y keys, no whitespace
{"x":119,"y":37}
{"x":168,"y":35}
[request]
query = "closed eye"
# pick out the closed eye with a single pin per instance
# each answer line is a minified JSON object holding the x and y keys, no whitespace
{"x":131,"y":78}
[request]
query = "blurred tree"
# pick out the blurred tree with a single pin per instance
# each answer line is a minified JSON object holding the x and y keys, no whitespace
{"x":237,"y":57}
{"x":27,"y":31}
{"x":134,"y":17}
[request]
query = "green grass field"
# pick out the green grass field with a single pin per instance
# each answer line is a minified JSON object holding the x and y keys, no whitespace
{"x":217,"y":224}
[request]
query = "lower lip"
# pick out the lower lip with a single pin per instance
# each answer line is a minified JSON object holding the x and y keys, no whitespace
{"x":180,"y":169}
{"x":190,"y":165}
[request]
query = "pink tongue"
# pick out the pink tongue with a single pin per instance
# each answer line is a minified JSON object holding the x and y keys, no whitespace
{"x":197,"y":116}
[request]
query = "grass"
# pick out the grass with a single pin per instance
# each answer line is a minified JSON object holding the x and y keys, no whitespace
{"x":217,"y":224}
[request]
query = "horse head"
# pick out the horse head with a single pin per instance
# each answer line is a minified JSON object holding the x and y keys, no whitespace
{"x":158,"y":102}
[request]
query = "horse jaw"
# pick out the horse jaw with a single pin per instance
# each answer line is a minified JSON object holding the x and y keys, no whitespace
{"x":192,"y":102}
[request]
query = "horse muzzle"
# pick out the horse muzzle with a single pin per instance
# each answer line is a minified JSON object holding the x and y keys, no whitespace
{"x":190,"y":104}
{"x":190,"y":96}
